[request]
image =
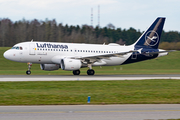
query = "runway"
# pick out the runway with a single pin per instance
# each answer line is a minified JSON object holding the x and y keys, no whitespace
{"x":84,"y":78}
{"x":91,"y":112}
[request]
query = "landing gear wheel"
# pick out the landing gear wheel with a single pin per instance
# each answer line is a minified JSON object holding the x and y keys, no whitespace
{"x":76,"y":72}
{"x":90,"y":72}
{"x":28,"y":72}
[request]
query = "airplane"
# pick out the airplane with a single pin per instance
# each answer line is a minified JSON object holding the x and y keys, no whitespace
{"x":73,"y":56}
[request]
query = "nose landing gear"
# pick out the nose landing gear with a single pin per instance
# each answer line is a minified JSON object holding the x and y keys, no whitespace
{"x":28,"y":72}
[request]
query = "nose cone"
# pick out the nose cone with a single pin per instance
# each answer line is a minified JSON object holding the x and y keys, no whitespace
{"x":7,"y":55}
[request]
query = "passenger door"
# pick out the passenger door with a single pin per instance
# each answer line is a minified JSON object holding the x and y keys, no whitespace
{"x":32,"y":49}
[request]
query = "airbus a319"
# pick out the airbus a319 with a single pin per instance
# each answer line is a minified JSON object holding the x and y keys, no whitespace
{"x":72,"y":56}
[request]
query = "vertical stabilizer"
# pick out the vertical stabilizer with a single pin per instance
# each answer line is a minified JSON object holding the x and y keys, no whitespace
{"x":151,"y":37}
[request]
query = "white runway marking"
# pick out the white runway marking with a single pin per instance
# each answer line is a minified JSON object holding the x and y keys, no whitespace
{"x":84,"y":78}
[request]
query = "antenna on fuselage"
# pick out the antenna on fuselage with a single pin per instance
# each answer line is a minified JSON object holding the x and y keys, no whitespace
{"x":32,"y":40}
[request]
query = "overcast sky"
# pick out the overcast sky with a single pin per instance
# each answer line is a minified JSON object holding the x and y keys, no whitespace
{"x":138,"y":14}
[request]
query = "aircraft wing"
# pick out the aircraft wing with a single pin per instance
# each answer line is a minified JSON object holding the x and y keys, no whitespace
{"x":110,"y":55}
{"x":94,"y":58}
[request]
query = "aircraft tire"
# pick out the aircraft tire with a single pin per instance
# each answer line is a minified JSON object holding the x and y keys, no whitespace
{"x":76,"y":72}
{"x":28,"y":72}
{"x":90,"y":72}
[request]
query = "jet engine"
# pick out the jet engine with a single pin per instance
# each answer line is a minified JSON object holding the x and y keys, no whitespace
{"x":49,"y":67}
{"x":70,"y":64}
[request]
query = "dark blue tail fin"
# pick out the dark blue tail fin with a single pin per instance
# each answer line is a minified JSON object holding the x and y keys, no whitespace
{"x":151,"y":37}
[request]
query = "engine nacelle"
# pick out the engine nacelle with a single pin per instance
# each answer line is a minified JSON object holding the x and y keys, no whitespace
{"x":70,"y":64}
{"x":49,"y":67}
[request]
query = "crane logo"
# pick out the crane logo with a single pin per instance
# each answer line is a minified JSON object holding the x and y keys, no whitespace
{"x":151,"y":38}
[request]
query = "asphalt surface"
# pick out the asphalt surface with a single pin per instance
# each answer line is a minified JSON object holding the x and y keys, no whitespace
{"x":84,"y":77}
{"x":91,"y":112}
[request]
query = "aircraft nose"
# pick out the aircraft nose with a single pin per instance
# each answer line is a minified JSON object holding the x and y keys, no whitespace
{"x":7,"y":54}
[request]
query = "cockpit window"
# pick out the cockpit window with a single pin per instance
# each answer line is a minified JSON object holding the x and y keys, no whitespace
{"x":17,"y":48}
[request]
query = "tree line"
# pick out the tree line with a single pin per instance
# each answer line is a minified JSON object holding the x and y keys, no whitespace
{"x":50,"y":31}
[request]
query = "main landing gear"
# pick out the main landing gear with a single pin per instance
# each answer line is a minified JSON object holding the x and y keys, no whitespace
{"x":76,"y":72}
{"x":89,"y":72}
{"x":28,"y":72}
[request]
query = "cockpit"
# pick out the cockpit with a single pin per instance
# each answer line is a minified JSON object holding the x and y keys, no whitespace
{"x":17,"y":47}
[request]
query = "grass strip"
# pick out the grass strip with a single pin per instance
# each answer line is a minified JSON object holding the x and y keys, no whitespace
{"x":101,"y":92}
